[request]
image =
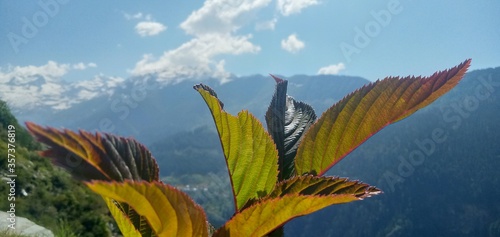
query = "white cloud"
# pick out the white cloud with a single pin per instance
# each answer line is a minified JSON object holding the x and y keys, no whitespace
{"x":146,"y":25}
{"x":331,"y":69}
{"x":52,"y":70}
{"x":214,"y":29}
{"x":292,"y":44}
{"x":266,"y":25}
{"x":222,"y":16}
{"x":83,"y":66}
{"x":41,"y":87}
{"x":133,"y":16}
{"x":27,"y":87}
{"x":79,"y":66}
{"x":289,"y":7}
{"x":100,"y":84}
{"x":149,"y":28}
{"x":195,"y":58}
{"x":32,"y":85}
{"x":137,"y":16}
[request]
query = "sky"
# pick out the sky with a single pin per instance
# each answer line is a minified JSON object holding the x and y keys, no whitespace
{"x":78,"y":40}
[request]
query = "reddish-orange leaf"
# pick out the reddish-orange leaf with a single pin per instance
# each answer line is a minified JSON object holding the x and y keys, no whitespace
{"x":268,"y":214}
{"x":359,"y":115}
{"x":97,"y":156}
{"x":314,"y":185}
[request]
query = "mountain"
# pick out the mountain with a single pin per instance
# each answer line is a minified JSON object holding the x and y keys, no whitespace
{"x":438,"y":168}
{"x":150,"y":110}
{"x":40,"y":96}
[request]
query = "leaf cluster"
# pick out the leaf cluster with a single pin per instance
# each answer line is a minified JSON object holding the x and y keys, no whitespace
{"x":275,"y":175}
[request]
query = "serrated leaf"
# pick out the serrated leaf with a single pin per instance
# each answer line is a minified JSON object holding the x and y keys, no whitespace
{"x":314,"y":185}
{"x":287,"y":121}
{"x":97,"y":156}
{"x":359,"y":115}
{"x":169,"y":211}
{"x":100,"y":157}
{"x":268,"y":214}
{"x":251,"y":156}
{"x":124,"y":223}
{"x":140,"y":223}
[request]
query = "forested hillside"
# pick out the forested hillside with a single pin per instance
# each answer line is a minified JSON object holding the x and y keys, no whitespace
{"x":47,"y":195}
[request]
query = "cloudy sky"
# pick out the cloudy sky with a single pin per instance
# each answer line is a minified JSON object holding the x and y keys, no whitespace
{"x":77,"y":40}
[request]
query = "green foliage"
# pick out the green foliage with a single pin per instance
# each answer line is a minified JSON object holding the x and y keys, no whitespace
{"x":23,"y":138}
{"x":53,"y":199}
{"x":268,"y":191}
{"x":7,"y":233}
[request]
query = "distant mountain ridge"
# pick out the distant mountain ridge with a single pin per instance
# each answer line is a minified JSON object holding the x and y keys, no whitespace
{"x":41,"y":92}
{"x":148,"y":109}
{"x":451,"y":192}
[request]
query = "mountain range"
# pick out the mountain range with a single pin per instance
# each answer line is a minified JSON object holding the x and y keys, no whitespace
{"x":447,"y":191}
{"x":148,"y":109}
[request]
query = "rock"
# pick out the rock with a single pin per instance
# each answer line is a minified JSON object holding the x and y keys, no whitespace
{"x":23,"y":226}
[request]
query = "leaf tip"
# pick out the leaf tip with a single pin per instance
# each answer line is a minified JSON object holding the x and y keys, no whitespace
{"x":277,"y":79}
{"x":201,"y":86}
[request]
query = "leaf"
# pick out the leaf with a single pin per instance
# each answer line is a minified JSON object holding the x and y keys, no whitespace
{"x":359,"y":115}
{"x":140,"y":223}
{"x":314,"y":185}
{"x":287,"y":121}
{"x":169,"y":211}
{"x":250,"y":153}
{"x":100,"y":157}
{"x":265,"y":216}
{"x":126,"y":226}
{"x":97,"y":156}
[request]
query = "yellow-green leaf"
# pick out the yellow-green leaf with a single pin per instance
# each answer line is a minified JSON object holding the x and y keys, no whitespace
{"x":359,"y":115}
{"x":124,"y":223}
{"x":169,"y":211}
{"x":251,"y":156}
{"x":268,"y":214}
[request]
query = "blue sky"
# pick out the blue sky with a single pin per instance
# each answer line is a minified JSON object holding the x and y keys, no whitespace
{"x":77,"y":40}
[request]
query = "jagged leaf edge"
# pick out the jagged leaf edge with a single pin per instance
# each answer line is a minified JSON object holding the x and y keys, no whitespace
{"x":311,"y":159}
{"x":270,"y":213}
{"x":98,"y":156}
{"x":323,"y":185}
{"x":287,"y":121}
{"x":159,"y":204}
{"x":87,"y":147}
{"x":268,"y":163}
{"x":124,"y":223}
